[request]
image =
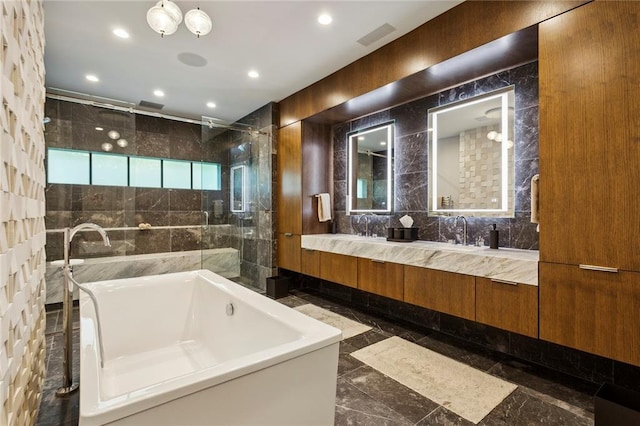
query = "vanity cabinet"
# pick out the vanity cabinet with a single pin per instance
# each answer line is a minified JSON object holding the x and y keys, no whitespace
{"x":593,"y":311}
{"x":447,"y":292}
{"x":310,"y":262}
{"x":507,"y":305}
{"x":304,"y":159}
{"x":382,"y":278}
{"x":339,"y":268}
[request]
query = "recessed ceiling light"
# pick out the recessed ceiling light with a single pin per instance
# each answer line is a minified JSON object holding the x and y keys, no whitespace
{"x":253,"y":74}
{"x":107,"y":146}
{"x":325,"y":19}
{"x":211,"y":105}
{"x":120,"y":32}
{"x":99,"y":129}
{"x":122,"y":143}
{"x":159,"y":93}
{"x":113,"y":134}
{"x":383,"y":143}
{"x":92,"y":77}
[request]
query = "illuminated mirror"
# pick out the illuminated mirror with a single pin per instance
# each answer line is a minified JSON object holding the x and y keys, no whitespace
{"x":237,"y":188}
{"x":370,"y":170}
{"x":471,"y":156}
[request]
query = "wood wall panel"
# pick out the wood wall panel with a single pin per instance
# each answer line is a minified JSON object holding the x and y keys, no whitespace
{"x":596,"y":312}
{"x":447,"y":292}
{"x":590,"y":136}
{"x":507,"y":306}
{"x":317,"y":174}
{"x":463,"y":28}
{"x":382,"y":278}
{"x":288,"y":252}
{"x":288,"y":194}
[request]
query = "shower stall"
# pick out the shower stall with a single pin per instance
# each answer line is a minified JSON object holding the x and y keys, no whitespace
{"x":174,"y":194}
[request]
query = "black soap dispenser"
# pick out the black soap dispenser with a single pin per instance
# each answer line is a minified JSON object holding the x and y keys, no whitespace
{"x":493,"y":237}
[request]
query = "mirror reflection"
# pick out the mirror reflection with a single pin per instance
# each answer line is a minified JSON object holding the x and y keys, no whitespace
{"x":370,"y":170}
{"x":472,"y":156}
{"x":237,"y":188}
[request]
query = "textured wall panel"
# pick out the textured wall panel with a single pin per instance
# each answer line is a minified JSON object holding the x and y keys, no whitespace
{"x":22,"y":210}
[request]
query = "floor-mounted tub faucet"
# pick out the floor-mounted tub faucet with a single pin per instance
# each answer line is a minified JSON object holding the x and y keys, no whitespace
{"x":67,"y":306}
{"x":464,"y":228}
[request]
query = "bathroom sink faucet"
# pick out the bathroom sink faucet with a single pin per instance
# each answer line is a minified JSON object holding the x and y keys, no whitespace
{"x":464,"y":228}
{"x":67,"y":305}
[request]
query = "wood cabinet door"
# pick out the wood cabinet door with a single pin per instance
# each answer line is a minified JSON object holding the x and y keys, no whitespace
{"x":310,"y":262}
{"x":383,"y":278}
{"x":596,"y":312}
{"x":289,"y":191}
{"x":590,"y":136}
{"x":447,"y":292}
{"x":339,"y":268}
{"x":506,"y":305}
{"x":288,"y":252}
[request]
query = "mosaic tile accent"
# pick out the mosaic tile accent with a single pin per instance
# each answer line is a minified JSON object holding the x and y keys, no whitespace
{"x":22,"y":231}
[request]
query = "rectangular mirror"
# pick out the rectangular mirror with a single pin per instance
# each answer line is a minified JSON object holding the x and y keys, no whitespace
{"x":370,"y":170}
{"x":237,"y":188}
{"x":471,"y":156}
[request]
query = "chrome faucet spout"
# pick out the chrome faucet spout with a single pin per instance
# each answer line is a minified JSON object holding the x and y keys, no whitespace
{"x":92,"y":227}
{"x":464,"y":228}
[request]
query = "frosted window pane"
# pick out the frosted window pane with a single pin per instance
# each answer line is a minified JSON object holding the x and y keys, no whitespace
{"x":197,"y":175}
{"x":145,"y":172}
{"x":211,"y":176}
{"x":109,"y":169}
{"x":68,"y":167}
{"x":176,"y":174}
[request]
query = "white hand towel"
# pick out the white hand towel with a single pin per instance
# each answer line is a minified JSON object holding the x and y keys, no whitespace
{"x":324,"y":207}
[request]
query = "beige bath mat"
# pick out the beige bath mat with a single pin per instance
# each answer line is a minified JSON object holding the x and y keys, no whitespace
{"x":349,"y":327}
{"x":468,"y":392}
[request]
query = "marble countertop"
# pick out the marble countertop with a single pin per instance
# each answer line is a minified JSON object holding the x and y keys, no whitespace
{"x":520,"y":266}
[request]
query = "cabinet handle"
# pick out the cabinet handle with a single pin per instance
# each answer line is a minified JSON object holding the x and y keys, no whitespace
{"x":288,"y":234}
{"x":377,"y":261}
{"x":308,"y":249}
{"x":497,"y":281}
{"x":598,"y":268}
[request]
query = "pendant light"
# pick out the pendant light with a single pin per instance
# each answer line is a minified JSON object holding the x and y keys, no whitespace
{"x":165,"y":17}
{"x":198,"y":22}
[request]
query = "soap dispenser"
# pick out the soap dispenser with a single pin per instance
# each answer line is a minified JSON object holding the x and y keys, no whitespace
{"x":493,"y":237}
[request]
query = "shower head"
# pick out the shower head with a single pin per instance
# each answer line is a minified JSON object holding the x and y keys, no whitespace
{"x":46,"y":120}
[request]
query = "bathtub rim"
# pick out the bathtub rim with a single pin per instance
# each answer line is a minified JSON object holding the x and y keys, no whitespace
{"x":313,"y":335}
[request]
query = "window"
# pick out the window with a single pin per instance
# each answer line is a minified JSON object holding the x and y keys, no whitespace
{"x":176,"y":174}
{"x":109,"y":169}
{"x":145,"y":172}
{"x":66,"y":166}
{"x":96,"y":168}
{"x":206,"y":176}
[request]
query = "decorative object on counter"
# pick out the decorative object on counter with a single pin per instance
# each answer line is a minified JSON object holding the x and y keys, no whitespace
{"x":402,"y":235}
{"x":493,"y":237}
{"x":406,"y":221}
{"x":535,"y":181}
{"x":446,"y":202}
{"x":144,"y":226}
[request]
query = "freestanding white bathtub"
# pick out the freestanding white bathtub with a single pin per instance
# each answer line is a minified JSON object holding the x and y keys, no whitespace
{"x":193,"y":348}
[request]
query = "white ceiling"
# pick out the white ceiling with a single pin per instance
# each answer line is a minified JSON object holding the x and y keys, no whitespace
{"x":282,"y":40}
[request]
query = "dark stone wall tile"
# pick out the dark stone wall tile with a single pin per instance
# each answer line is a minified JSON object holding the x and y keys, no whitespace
{"x":524,"y":234}
{"x":152,"y":217}
{"x":151,"y":241}
{"x":371,"y":120}
{"x":525,"y":170}
{"x":146,"y":123}
{"x":339,"y":195}
{"x":250,"y":251}
{"x":411,"y":154}
{"x":340,"y":164}
{"x":410,"y":192}
{"x":151,"y":144}
{"x":183,"y":239}
{"x":526,"y":132}
{"x":525,"y":78}
{"x":58,"y":219}
{"x":184,"y":218}
{"x":411,"y":117}
{"x":58,"y":197}
{"x":58,"y":133}
{"x":156,"y":199}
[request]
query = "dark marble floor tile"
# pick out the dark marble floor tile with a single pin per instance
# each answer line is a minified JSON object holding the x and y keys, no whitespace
{"x":347,"y":363}
{"x":356,"y":407}
{"x":520,"y":408}
{"x":401,"y":399}
{"x":292,"y":301}
{"x":442,"y":416}
{"x":548,"y":384}
{"x":365,"y":339}
{"x":466,"y":353}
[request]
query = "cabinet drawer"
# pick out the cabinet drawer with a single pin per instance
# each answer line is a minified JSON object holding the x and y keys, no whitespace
{"x":339,"y":268}
{"x":593,"y":311}
{"x":310,"y":262}
{"x":510,"y":306}
{"x":385,"y":279}
{"x":289,"y":252}
{"x":447,"y":292}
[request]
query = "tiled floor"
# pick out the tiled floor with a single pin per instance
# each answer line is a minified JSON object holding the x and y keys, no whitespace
{"x":367,"y":397}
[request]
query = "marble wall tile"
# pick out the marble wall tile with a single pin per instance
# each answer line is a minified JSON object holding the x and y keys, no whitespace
{"x":526,"y":133}
{"x":525,"y":170}
{"x":152,"y":144}
{"x":186,"y":238}
{"x":339,"y":195}
{"x":151,"y":241}
{"x":56,"y":109}
{"x":148,"y":123}
{"x":106,"y":219}
{"x":185,"y":147}
{"x":339,"y":164}
{"x":183,"y":218}
{"x":90,"y":115}
{"x":250,"y":250}
{"x":152,"y":199}
{"x":58,"y":197}
{"x":410,"y":192}
{"x":58,"y":133}
{"x":411,"y":154}
{"x":524,"y":234}
{"x":371,"y":120}
{"x":411,"y":118}
{"x":525,"y":78}
{"x":265,"y":252}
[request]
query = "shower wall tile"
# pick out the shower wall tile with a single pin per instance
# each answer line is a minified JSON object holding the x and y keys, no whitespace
{"x":186,"y":238}
{"x":151,"y":144}
{"x":152,"y":199}
{"x":411,"y":162}
{"x":58,"y":197}
{"x":152,"y":217}
{"x":58,"y":133}
{"x":151,"y":241}
{"x":147,"y":123}
{"x":184,"y":218}
{"x":185,"y":200}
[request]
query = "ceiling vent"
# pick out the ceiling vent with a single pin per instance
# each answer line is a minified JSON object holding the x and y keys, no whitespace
{"x":376,"y":34}
{"x":150,"y":105}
